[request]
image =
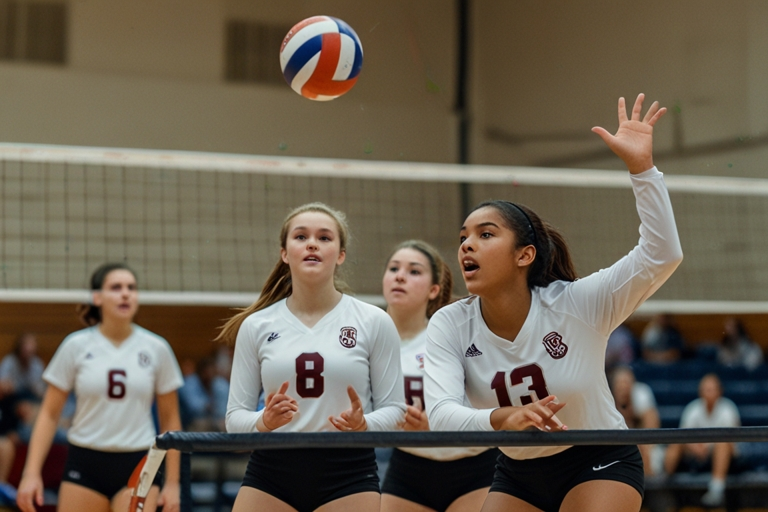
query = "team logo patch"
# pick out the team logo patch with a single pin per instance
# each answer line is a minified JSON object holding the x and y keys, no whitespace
{"x":348,"y":337}
{"x":420,"y":359}
{"x":144,"y":359}
{"x":553,"y":342}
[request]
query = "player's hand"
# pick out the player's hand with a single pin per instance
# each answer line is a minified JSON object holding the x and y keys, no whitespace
{"x":540,"y":415}
{"x":169,"y":497}
{"x":633,"y":141}
{"x":353,"y":419}
{"x":30,"y":493}
{"x":279,"y":409}
{"x":415,"y":417}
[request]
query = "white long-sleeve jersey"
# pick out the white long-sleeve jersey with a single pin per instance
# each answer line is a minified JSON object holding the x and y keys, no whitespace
{"x":354,"y":344}
{"x":560,"y":349}
{"x":412,"y":354}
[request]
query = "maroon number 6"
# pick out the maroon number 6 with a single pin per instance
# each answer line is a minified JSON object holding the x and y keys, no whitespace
{"x":116,"y":384}
{"x":538,"y":384}
{"x":309,"y":379}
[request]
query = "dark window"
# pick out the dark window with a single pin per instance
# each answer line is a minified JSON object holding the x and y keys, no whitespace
{"x":253,"y":52}
{"x":33,"y":31}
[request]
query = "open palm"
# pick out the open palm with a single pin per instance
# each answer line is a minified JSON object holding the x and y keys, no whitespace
{"x":633,"y":141}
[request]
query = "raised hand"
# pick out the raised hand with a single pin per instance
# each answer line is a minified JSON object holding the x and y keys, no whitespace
{"x":415,"y":417}
{"x":633,"y":141}
{"x":279,"y":409}
{"x":539,"y":414}
{"x":353,"y":419}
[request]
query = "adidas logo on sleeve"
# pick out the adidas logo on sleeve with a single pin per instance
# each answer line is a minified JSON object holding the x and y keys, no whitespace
{"x":472,"y":351}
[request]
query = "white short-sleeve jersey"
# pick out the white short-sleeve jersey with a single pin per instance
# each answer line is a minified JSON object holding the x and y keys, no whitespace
{"x":560,"y":349}
{"x":412,"y":353}
{"x":354,"y":344}
{"x":724,"y":414}
{"x":115,"y":386}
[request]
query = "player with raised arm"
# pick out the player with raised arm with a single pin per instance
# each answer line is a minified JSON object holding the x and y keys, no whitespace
{"x":116,"y":370}
{"x":527,"y":349}
{"x":416,"y":283}
{"x":326,"y":361}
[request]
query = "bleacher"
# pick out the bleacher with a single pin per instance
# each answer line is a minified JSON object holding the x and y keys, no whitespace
{"x":674,"y":386}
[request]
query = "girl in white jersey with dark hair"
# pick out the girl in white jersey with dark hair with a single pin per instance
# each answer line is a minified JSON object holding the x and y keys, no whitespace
{"x":530,"y":342}
{"x":416,"y":283}
{"x":116,"y":370}
{"x":325,"y":361}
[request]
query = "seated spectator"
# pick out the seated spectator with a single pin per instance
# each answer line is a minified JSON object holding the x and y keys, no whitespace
{"x":736,"y":348}
{"x":203,"y":398}
{"x":711,"y":410}
{"x":661,"y":342}
{"x":635,"y":401}
{"x":621,"y":347}
{"x":21,"y":389}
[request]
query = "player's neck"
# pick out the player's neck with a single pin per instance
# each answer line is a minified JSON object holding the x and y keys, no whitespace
{"x":409,"y":323}
{"x":505,"y":313}
{"x":310,"y":304}
{"x":115,"y":331}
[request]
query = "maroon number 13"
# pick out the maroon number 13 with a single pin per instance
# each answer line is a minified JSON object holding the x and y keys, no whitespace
{"x":538,"y":384}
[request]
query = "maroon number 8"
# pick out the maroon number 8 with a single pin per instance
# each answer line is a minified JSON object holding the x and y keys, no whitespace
{"x":309,"y":380}
{"x":115,"y":386}
{"x":414,"y":388}
{"x":538,"y":384}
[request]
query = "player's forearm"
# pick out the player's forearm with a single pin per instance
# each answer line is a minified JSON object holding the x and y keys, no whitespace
{"x":40,"y":443}
{"x":385,"y":418}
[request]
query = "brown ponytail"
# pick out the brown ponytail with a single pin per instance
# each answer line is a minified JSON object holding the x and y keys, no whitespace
{"x":553,"y":258}
{"x":441,"y":273}
{"x":278,"y":285}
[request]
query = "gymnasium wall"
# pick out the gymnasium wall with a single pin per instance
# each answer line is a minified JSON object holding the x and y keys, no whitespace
{"x":546,"y":72}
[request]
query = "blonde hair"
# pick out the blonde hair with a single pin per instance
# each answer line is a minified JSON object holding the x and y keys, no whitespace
{"x":441,"y":273}
{"x":278,"y":285}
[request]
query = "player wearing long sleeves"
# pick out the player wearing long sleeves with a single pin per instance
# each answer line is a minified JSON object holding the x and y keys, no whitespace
{"x":416,"y":283}
{"x":527,"y":349}
{"x":325,"y":361}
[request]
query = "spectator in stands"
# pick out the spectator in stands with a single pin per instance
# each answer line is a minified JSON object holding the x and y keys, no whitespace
{"x":635,"y":401}
{"x":661,"y":341}
{"x":711,"y":410}
{"x":21,"y":371}
{"x":736,"y":348}
{"x":203,"y":398}
{"x":21,"y":389}
{"x":621,"y":347}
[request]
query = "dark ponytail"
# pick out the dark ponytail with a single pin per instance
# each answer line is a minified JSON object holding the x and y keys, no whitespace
{"x":553,"y":258}
{"x":90,"y":314}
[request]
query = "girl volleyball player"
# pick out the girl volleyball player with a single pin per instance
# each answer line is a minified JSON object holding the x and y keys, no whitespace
{"x":326,"y":362}
{"x":116,"y":370}
{"x":416,"y":283}
{"x":531,"y":332}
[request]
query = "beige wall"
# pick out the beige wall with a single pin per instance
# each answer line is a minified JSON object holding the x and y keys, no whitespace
{"x":559,"y":66}
{"x":149,"y":74}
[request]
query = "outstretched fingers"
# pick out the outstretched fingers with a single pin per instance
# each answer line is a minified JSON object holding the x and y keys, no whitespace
{"x":637,"y":108}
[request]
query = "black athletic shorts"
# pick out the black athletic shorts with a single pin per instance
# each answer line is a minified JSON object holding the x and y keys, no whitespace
{"x":437,"y":484}
{"x":309,"y":478}
{"x":103,"y":472}
{"x":544,"y":482}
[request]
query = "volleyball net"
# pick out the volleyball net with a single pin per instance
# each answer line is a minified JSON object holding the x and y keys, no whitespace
{"x":201,"y":228}
{"x":189,"y":442}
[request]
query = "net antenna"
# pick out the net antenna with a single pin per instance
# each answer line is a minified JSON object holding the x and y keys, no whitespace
{"x":143,"y":476}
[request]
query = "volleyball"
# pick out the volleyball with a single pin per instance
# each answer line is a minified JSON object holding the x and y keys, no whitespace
{"x":321,"y":58}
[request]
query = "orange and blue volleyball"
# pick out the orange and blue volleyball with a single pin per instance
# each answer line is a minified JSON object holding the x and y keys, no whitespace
{"x":321,"y":58}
